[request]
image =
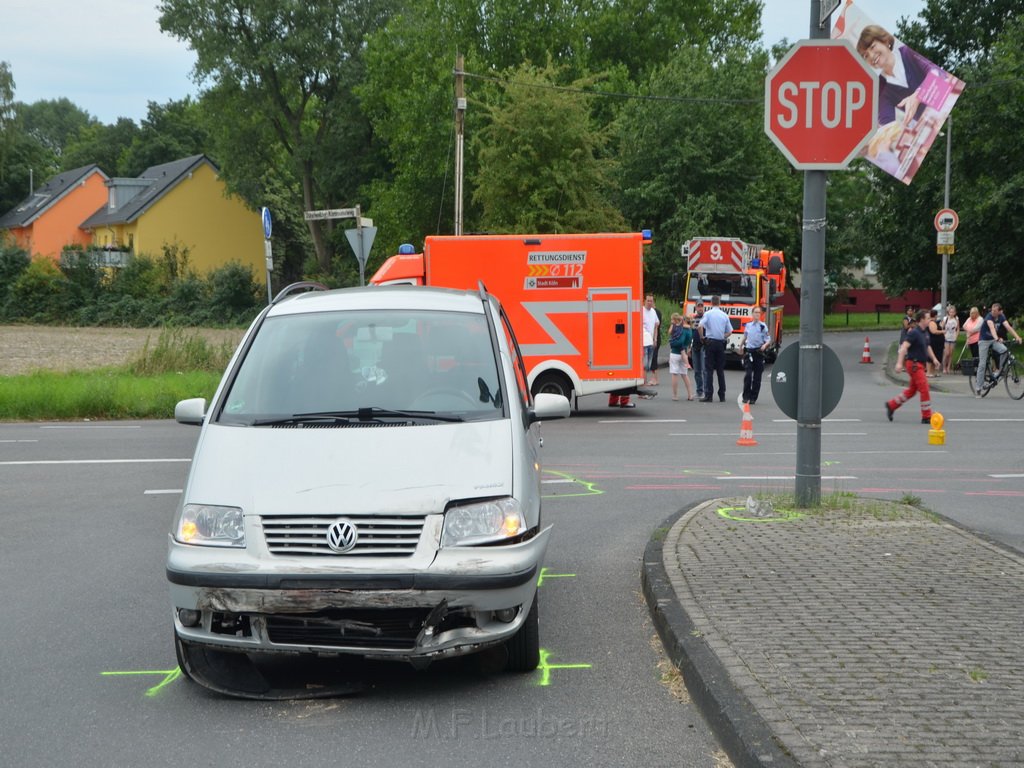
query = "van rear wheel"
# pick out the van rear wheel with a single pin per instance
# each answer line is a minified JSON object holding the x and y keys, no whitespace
{"x":552,"y":383}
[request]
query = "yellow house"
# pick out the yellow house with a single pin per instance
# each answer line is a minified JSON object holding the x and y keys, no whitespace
{"x":183,"y":204}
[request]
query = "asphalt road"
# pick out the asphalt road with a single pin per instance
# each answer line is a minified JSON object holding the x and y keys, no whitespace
{"x":87,"y":670}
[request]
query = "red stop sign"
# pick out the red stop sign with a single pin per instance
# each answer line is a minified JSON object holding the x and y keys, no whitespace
{"x":820,"y":104}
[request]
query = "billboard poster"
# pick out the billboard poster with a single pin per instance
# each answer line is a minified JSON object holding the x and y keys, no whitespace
{"x":915,"y":96}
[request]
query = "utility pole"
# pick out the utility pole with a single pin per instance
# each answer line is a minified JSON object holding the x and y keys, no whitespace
{"x":460,"y":131}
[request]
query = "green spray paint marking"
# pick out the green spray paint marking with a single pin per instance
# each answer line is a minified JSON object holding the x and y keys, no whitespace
{"x":170,"y":675}
{"x":545,"y":667}
{"x":545,"y":575}
{"x":780,"y":516}
{"x":591,"y":490}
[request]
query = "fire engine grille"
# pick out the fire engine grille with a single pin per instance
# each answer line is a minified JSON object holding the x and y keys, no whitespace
{"x":735,"y":321}
{"x":378,"y":536}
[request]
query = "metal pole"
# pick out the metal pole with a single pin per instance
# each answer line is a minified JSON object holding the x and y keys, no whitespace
{"x":460,"y":126}
{"x":812,"y":304}
{"x":945,"y":204}
{"x":362,"y":255}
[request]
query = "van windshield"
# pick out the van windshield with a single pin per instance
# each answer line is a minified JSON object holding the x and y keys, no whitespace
{"x":346,"y":362}
{"x":732,"y":287}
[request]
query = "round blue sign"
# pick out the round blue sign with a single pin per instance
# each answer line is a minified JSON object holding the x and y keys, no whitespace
{"x":268,"y":224}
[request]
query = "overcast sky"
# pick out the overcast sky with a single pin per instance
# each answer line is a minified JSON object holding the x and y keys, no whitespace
{"x":110,"y":58}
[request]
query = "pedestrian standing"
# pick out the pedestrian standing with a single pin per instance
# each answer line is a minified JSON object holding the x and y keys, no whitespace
{"x":697,"y":350}
{"x":715,"y":327}
{"x":951,"y":330}
{"x":916,"y":352}
{"x":679,"y":337}
{"x":937,"y":341}
{"x":908,"y":323}
{"x":755,"y":343}
{"x":972,"y":327}
{"x":652,"y":325}
{"x":993,"y":327}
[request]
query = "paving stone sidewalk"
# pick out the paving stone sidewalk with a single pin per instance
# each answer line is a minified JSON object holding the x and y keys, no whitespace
{"x":879,"y":635}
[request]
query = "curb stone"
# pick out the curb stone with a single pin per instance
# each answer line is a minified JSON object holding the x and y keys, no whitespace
{"x":744,"y":735}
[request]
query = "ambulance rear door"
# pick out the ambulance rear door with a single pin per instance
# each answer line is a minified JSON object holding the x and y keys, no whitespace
{"x":610,"y":328}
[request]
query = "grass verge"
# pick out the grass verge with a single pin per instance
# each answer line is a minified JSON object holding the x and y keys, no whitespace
{"x":180,"y":365}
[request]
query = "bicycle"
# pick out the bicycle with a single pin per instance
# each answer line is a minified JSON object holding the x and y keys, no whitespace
{"x":1011,"y":372}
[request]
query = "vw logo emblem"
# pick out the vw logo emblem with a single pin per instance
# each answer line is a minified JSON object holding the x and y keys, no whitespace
{"x":342,"y":536}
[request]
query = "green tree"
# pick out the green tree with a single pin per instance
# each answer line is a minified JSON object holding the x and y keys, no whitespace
{"x":102,"y":144}
{"x":695,"y":160}
{"x":293,"y":67}
{"x":54,"y":123}
{"x":542,"y":163}
{"x":169,"y":132}
{"x":956,"y":33}
{"x":987,"y":176}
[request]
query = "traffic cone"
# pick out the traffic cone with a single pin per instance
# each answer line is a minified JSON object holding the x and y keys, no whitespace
{"x":866,"y":357}
{"x":747,"y":428}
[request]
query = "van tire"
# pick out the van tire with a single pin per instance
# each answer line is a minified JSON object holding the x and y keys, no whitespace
{"x":524,"y":646}
{"x":553,"y":383}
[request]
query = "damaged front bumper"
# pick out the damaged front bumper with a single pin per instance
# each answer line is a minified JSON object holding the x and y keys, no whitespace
{"x":463,"y":600}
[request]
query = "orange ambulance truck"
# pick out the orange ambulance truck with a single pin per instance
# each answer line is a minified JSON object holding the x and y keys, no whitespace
{"x":574,"y":301}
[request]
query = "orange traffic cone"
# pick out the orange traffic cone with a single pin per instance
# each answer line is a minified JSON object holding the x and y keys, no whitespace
{"x":866,"y":357}
{"x":747,"y":428}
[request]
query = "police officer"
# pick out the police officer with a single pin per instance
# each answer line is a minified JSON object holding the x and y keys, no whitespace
{"x":916,"y":350}
{"x":755,"y":342}
{"x":715,"y":328}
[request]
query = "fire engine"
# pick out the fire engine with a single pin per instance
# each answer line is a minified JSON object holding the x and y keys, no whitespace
{"x":574,"y":301}
{"x":743,"y":276}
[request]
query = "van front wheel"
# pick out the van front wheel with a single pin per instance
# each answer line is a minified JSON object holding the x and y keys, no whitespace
{"x":524,"y":645}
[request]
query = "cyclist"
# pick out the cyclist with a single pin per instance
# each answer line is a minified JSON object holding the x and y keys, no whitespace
{"x":991,"y":329}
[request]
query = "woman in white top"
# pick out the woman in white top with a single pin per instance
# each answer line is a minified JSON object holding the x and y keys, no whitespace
{"x":951,"y":326}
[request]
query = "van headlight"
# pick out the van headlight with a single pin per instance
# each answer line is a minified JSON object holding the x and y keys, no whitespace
{"x":483,"y":522}
{"x":210,"y":526}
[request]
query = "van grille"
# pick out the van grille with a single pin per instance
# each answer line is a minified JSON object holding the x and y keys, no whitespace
{"x":393,"y":628}
{"x":375,"y":628}
{"x":378,"y":536}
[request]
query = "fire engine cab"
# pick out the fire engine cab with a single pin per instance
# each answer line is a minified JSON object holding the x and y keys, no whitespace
{"x":743,"y":276}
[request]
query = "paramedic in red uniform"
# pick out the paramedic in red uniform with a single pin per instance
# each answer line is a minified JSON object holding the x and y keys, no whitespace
{"x":916,"y":350}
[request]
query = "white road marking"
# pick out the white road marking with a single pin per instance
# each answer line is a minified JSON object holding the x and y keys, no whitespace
{"x":1006,"y":477}
{"x":161,"y":491}
{"x":91,"y":461}
{"x":782,"y":477}
{"x":765,"y":434}
{"x":91,"y":426}
{"x":19,"y":441}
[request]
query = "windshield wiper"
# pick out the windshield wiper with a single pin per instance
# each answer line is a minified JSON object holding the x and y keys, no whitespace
{"x":360,"y":415}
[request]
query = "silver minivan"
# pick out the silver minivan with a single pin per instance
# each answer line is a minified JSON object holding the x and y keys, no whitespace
{"x":366,"y":481}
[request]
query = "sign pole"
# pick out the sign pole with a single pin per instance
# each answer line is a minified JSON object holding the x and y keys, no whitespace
{"x":812,"y":285}
{"x":945,"y":204}
{"x":268,"y":252}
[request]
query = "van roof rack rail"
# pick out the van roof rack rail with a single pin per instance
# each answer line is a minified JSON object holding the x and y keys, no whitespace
{"x":302,"y":287}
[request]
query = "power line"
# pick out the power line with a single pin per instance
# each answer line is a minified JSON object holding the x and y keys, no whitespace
{"x":679,"y":99}
{"x":609,"y":94}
